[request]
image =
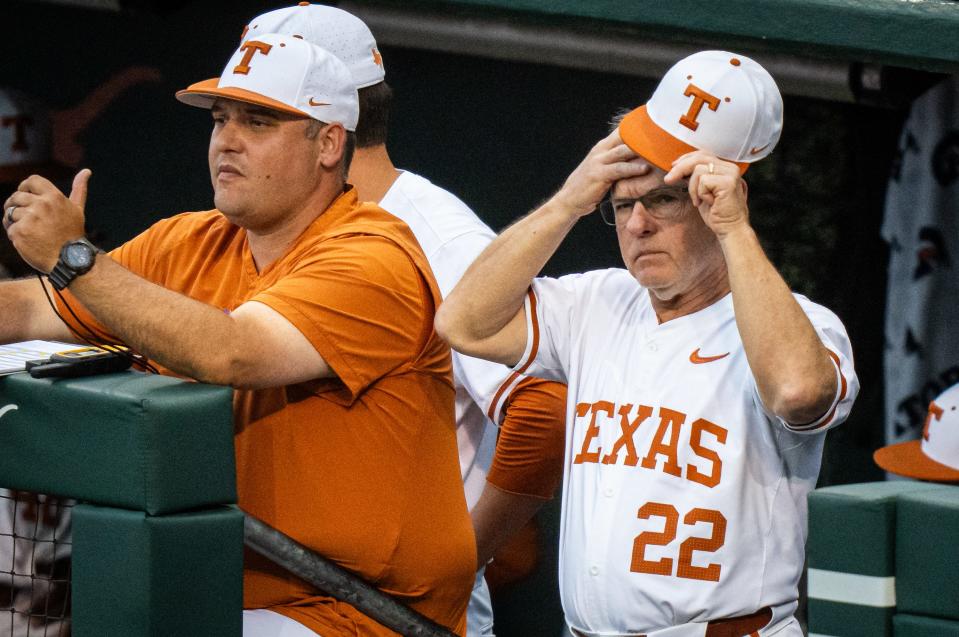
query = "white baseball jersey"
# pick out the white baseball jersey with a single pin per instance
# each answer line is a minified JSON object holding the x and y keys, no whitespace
{"x":684,"y":498}
{"x":452,"y":236}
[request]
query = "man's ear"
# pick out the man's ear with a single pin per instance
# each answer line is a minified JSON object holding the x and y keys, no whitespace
{"x":332,"y":143}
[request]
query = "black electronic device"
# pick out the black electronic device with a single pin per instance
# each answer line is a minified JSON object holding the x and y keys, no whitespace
{"x":85,"y":361}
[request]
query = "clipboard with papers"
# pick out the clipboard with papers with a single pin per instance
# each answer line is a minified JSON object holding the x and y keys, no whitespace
{"x":14,"y":356}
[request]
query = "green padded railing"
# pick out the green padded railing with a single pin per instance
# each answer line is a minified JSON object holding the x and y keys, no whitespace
{"x":872,"y":572}
{"x":156,"y":551}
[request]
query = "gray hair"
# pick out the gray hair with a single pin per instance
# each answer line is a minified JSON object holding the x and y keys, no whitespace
{"x":617,"y":118}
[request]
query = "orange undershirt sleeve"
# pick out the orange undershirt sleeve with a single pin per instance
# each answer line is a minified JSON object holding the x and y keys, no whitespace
{"x":529,"y":451}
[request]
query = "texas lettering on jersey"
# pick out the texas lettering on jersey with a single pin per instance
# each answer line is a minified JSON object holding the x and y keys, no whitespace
{"x":663,"y":451}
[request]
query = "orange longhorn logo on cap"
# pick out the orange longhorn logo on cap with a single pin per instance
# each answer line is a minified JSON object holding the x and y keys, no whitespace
{"x":19,"y":123}
{"x":377,"y":58}
{"x":700,"y":97}
{"x":251,"y":48}
{"x":934,"y":410}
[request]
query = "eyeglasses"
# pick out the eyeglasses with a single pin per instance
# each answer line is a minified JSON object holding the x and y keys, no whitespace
{"x":666,"y":203}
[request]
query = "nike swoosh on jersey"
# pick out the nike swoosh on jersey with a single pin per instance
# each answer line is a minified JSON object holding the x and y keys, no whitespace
{"x":696,"y":359}
{"x":312,"y":103}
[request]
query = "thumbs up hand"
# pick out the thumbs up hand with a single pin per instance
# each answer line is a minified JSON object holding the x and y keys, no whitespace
{"x":39,"y":218}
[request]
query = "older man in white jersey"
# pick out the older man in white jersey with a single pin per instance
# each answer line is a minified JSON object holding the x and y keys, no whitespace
{"x":700,"y":387}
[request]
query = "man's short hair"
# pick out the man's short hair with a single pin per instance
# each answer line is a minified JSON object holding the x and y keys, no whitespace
{"x":375,"y":104}
{"x":348,"y":151}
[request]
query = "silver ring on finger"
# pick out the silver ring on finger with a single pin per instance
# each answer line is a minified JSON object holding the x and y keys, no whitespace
{"x":9,"y":215}
{"x":712,"y":168}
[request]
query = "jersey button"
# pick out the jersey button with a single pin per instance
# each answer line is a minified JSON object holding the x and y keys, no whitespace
{"x":608,"y":492}
{"x":652,"y":347}
{"x":594,"y":570}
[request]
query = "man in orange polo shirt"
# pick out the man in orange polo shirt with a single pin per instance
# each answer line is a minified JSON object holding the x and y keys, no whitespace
{"x":316,"y":308}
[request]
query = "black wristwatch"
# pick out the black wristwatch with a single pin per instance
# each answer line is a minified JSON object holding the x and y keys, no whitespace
{"x":76,"y":258}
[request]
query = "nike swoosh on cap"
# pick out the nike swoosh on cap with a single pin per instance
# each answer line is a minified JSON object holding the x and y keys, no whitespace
{"x":312,"y":103}
{"x":756,"y":151}
{"x":696,"y":359}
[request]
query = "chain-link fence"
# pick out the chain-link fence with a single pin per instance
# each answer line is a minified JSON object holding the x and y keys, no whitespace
{"x":35,"y":550}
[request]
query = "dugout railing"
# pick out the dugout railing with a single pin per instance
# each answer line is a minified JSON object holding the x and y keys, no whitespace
{"x":156,"y":550}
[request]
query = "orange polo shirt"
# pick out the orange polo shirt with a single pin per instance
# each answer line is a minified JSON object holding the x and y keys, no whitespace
{"x":362,"y":468}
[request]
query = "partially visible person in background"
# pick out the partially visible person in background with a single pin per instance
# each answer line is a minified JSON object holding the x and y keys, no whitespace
{"x":921,"y":227}
{"x":935,"y":456}
{"x":530,"y":411}
{"x":26,"y":147}
{"x":37,"y":139}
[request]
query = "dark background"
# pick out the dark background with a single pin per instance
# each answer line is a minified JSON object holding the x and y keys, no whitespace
{"x":500,"y":135}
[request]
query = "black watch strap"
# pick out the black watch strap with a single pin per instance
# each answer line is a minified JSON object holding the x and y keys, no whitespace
{"x":61,"y":276}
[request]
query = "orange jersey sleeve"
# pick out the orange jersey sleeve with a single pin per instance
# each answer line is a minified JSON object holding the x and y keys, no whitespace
{"x":134,"y":256}
{"x":152,"y":255}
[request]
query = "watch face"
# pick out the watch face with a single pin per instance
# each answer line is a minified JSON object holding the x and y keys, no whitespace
{"x":78,"y":256}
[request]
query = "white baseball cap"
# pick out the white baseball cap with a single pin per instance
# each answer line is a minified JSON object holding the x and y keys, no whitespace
{"x":283,"y":73}
{"x":26,"y":137}
{"x":935,"y":456}
{"x":341,"y":33}
{"x":715,"y":101}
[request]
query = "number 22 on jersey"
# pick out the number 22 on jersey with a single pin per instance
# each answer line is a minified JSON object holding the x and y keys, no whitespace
{"x":685,"y":567}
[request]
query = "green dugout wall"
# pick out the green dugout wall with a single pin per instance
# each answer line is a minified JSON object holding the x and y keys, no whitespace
{"x":156,"y":550}
{"x":917,"y":34}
